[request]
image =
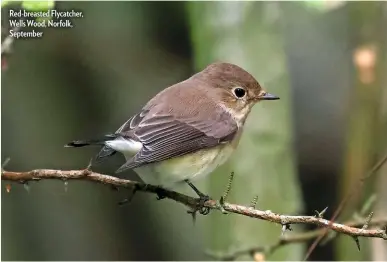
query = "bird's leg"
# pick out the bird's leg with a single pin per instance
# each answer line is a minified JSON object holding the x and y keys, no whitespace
{"x":197,"y":191}
{"x":202,"y":198}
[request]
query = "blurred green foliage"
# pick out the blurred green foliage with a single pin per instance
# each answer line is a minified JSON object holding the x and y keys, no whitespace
{"x":38,"y":5}
{"x":33,"y":6}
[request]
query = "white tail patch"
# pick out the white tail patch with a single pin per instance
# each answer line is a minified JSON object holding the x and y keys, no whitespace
{"x":127,"y":147}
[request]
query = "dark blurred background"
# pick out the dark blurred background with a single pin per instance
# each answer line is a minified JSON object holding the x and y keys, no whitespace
{"x":325,"y":59}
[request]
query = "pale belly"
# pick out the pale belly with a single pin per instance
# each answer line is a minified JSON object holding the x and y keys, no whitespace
{"x":192,"y":166}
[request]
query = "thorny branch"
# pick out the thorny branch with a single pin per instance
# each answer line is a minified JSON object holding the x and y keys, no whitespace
{"x":290,"y":239}
{"x":355,"y":189}
{"x":284,"y":220}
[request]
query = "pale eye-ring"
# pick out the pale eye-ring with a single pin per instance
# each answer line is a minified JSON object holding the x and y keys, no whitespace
{"x":239,"y":92}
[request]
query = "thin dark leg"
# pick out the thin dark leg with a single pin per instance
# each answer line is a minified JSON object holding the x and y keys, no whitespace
{"x":197,"y":191}
{"x":202,"y":198}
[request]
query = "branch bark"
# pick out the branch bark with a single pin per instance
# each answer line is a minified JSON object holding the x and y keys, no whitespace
{"x":289,"y":239}
{"x":284,"y":220}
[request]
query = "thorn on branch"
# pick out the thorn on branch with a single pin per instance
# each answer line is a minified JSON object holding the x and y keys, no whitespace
{"x":321,"y":213}
{"x":368,"y":221}
{"x":66,"y":185}
{"x":5,"y":163}
{"x":27,"y":187}
{"x":356,"y":239}
{"x":365,"y":226}
{"x":253,"y":203}
{"x":89,"y":165}
{"x":284,"y":228}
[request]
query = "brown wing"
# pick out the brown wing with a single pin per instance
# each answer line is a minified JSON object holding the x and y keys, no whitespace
{"x":164,"y":136}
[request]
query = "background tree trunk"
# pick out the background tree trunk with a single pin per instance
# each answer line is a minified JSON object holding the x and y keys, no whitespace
{"x":245,"y":34}
{"x":364,"y":146}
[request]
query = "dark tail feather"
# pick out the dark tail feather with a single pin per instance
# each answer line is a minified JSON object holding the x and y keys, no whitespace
{"x":100,"y":141}
{"x":78,"y":143}
{"x":105,"y":151}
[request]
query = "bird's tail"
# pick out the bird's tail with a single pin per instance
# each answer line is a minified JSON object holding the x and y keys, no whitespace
{"x":105,"y":151}
{"x":99,"y":141}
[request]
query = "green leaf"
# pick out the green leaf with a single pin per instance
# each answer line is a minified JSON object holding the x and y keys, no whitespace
{"x":35,"y":6}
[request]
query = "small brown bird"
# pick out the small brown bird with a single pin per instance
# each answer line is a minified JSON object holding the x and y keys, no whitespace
{"x":188,"y":129}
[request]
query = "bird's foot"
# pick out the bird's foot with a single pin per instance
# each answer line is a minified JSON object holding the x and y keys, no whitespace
{"x":203,"y":198}
{"x":203,"y":210}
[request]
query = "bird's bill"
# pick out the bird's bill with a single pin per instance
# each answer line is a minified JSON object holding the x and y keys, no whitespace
{"x":268,"y":96}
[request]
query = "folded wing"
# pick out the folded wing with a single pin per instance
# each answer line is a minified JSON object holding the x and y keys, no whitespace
{"x":164,"y":136}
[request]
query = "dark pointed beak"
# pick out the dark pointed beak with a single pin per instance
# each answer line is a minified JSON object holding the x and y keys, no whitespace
{"x":268,"y":96}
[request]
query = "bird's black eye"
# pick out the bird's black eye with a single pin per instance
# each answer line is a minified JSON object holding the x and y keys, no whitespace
{"x":239,"y":92}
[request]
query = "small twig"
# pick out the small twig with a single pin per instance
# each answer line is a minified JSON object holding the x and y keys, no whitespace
{"x":223,"y":198}
{"x":368,"y":221}
{"x":253,"y":203}
{"x":228,"y":187}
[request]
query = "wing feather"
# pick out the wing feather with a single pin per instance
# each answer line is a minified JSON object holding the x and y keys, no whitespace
{"x":164,"y":137}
